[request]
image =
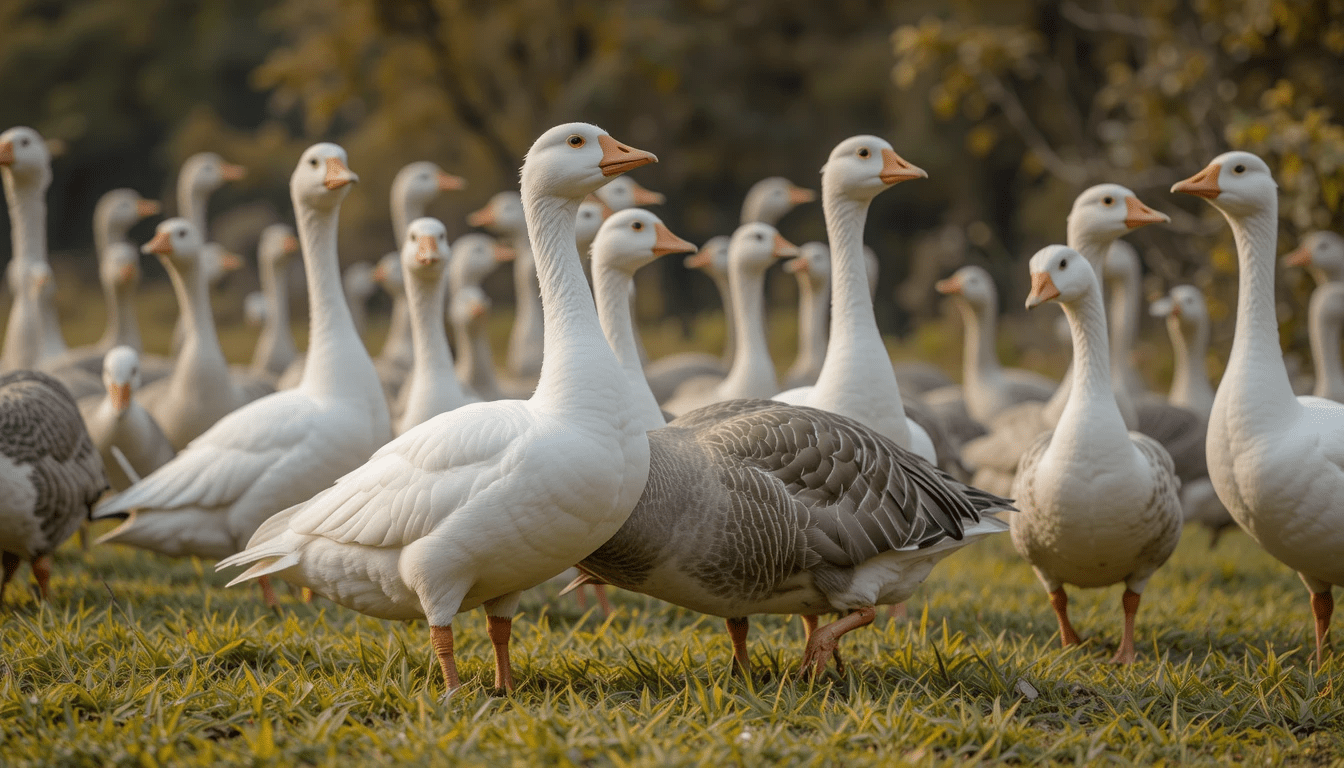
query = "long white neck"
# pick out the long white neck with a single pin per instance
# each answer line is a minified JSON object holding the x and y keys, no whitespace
{"x":474,"y":363}
{"x":398,"y":347}
{"x":1255,"y":381}
{"x":752,"y":371}
{"x":979,"y":359}
{"x":611,"y":289}
{"x":1190,"y":386}
{"x":528,"y":325}
{"x":277,"y":337}
{"x":1091,"y":415}
{"x":27,"y":200}
{"x":337,"y":362}
{"x":579,"y":372}
{"x":123,"y":328}
{"x":28,"y":339}
{"x":1093,"y":248}
{"x":1325,"y":330}
{"x":404,"y":211}
{"x":814,"y":310}
{"x":191,"y":205}
{"x":200,"y":354}
{"x":729,"y":326}
{"x":433,"y":366}
{"x":1125,"y":306}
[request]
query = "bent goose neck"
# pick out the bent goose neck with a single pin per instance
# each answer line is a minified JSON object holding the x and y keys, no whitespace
{"x":433,"y":359}
{"x":335,"y":353}
{"x":1256,"y":381}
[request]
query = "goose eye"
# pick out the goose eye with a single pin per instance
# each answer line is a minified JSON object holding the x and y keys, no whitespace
{"x":758,"y":237}
{"x":863,"y":152}
{"x":576,"y":141}
{"x":23,"y":142}
{"x":1239,"y":169}
{"x":312,"y":161}
{"x":1063,"y":263}
{"x":1108,"y":200}
{"x":181,"y":233}
{"x":638,"y":225}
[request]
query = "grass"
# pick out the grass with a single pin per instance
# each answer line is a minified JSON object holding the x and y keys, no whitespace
{"x":141,"y":660}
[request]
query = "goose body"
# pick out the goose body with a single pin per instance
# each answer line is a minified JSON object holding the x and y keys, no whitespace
{"x":520,"y":490}
{"x":117,"y":420}
{"x":1097,"y":504}
{"x":1276,"y":461}
{"x":283,"y":448}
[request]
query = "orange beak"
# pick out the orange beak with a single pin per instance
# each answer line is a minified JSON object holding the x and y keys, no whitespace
{"x":1175,"y":310}
{"x":895,"y":169}
{"x":478,"y":310}
{"x":1042,"y":290}
{"x":450,"y":183}
{"x":668,"y":242}
{"x":126,"y":274}
{"x":1137,"y":214}
{"x":40,"y":281}
{"x":161,"y":245}
{"x":783,"y":248}
{"x":949,"y":286}
{"x":428,"y":253}
{"x":644,"y":196}
{"x":230,"y":262}
{"x":503,"y":253}
{"x":232,"y":172}
{"x":795,"y":266}
{"x":1299,"y":257}
{"x":1203,"y":184}
{"x":6,"y":153}
{"x":379,"y":274}
{"x":146,"y":208}
{"x":120,"y":395}
{"x":617,"y":158}
{"x":485,"y":217}
{"x":698,"y":260}
{"x":290,"y":244}
{"x":337,"y":174}
{"x":799,"y":195}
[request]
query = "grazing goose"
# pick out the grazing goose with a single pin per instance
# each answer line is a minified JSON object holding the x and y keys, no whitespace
{"x":283,"y":448}
{"x":1326,"y":320}
{"x":625,"y":192}
{"x":117,"y":420}
{"x":771,"y":198}
{"x":857,"y":379}
{"x":670,"y":371}
{"x":275,"y":349}
{"x":1096,"y":503}
{"x":503,"y":215}
{"x":753,"y":248}
{"x":520,"y":490}
{"x":50,"y":473}
{"x":812,"y":267}
{"x":201,"y":388}
{"x":432,"y":386}
{"x":475,"y":256}
{"x":1276,"y":461}
{"x":1322,"y":254}
{"x":1100,"y":215}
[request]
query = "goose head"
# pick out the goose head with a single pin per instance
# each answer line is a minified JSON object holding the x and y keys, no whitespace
{"x":120,"y":209}
{"x":1059,"y":273}
{"x":712,"y":258}
{"x":424,"y":254}
{"x":1183,"y":304}
{"x":217,"y":262}
{"x":358,"y":281}
{"x":770,"y":199}
{"x":254,"y":309}
{"x":862,"y":166}
{"x":756,"y":246}
{"x":469,"y":306}
{"x":1236,"y":183}
{"x":571,"y":161}
{"x":119,"y":268}
{"x":592,"y":212}
{"x":1105,"y":212}
{"x":387,"y":274}
{"x":322,"y":178}
{"x":973,"y":285}
{"x":475,"y":256}
{"x":502,"y":215}
{"x":418,"y":183}
{"x":121,"y":376}
{"x":176,"y":242}
{"x":631,"y":238}
{"x":24,"y":154}
{"x":624,"y":192}
{"x":813,"y":263}
{"x":277,"y":245}
{"x":205,"y":172}
{"x":1321,"y":252}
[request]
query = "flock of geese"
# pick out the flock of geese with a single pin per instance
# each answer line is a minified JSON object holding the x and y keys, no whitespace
{"x":420,"y":484}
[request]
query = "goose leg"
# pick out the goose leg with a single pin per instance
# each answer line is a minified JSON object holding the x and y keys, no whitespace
{"x":1060,"y":602}
{"x":499,"y":622}
{"x":1322,"y":607}
{"x":823,"y":642}
{"x":600,"y":590}
{"x":11,"y":565}
{"x":1125,"y":653}
{"x":442,"y":640}
{"x":737,"y":631}
{"x":810,"y":626}
{"x":268,"y":593}
{"x":42,"y":572}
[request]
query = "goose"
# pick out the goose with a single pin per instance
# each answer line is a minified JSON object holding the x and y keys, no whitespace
{"x":475,"y":256}
{"x":201,"y":388}
{"x":280,"y":450}
{"x":857,"y":379}
{"x":589,"y":219}
{"x":1326,"y":319}
{"x":1322,"y":254}
{"x":987,"y":387}
{"x":35,"y":288}
{"x":117,"y":420}
{"x":670,"y":371}
{"x":1187,"y":319}
{"x":200,"y":176}
{"x":521,"y":490}
{"x":1096,"y":503}
{"x":359,"y":285}
{"x":812,"y":267}
{"x":432,"y":386}
{"x":1276,"y":461}
{"x":275,"y":349}
{"x":753,"y":248}
{"x":1100,"y":215}
{"x":771,"y":199}
{"x":50,"y":473}
{"x":1123,"y":275}
{"x":625,"y":192}
{"x":254,"y":310}
{"x":503,"y":215}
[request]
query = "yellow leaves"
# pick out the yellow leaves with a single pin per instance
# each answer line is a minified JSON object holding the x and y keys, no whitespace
{"x":981,"y":139}
{"x":1223,"y":259}
{"x":1278,"y":97}
{"x":943,"y":102}
{"x":1031,"y":164}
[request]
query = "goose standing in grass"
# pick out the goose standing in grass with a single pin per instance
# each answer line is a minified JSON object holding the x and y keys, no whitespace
{"x":812,"y":267}
{"x":753,"y":248}
{"x":1097,"y":504}
{"x":1276,"y":461}
{"x":117,"y":420}
{"x":857,"y":379}
{"x":432,"y":386}
{"x":475,"y":256}
{"x":671,"y":371}
{"x":283,"y":448}
{"x":503,"y":215}
{"x":275,"y":349}
{"x":520,"y":490}
{"x":50,"y":473}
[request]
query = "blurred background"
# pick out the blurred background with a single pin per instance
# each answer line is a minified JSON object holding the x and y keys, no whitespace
{"x":1012,"y":106}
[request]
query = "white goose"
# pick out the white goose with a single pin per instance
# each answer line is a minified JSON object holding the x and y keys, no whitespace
{"x":625,"y":192}
{"x":1096,"y":503}
{"x":117,"y":420}
{"x":812,"y":267}
{"x":275,"y":349}
{"x":857,"y":379}
{"x":359,"y":285}
{"x":431,"y":387}
{"x":475,"y":256}
{"x":753,"y":248}
{"x":1326,"y":321}
{"x":521,"y":490}
{"x":1276,"y":461}
{"x":670,"y":371}
{"x":771,"y":199}
{"x":1322,"y":254}
{"x":503,"y":215}
{"x":200,"y":176}
{"x":283,"y":448}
